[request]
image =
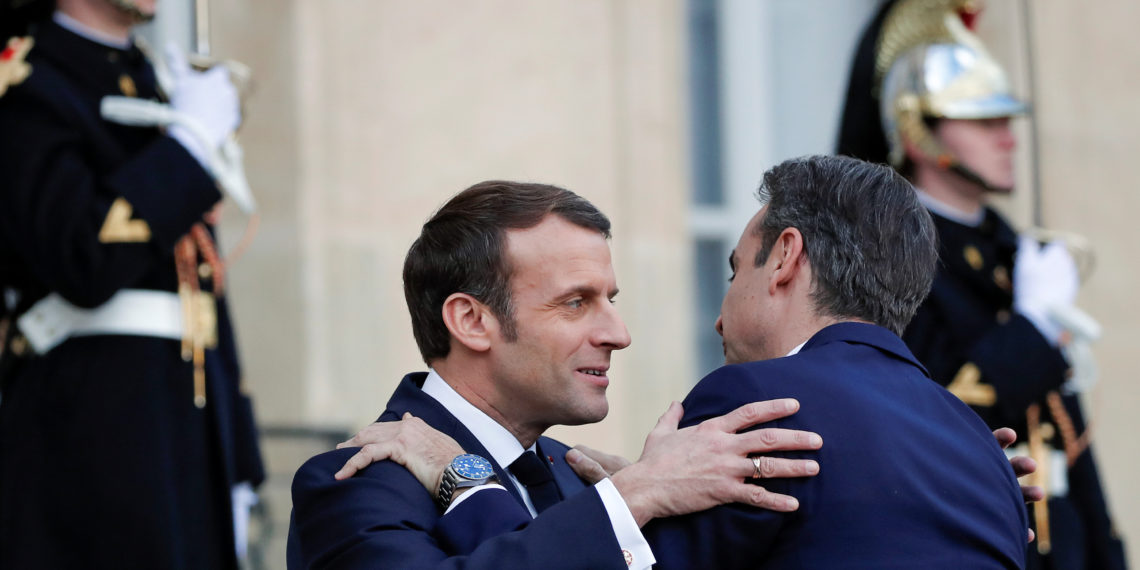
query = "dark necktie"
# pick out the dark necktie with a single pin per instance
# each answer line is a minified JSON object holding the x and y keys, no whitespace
{"x":536,"y":476}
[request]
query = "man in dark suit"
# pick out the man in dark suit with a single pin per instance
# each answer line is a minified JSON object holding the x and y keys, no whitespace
{"x":123,"y":430}
{"x":825,"y":277}
{"x":510,"y":288}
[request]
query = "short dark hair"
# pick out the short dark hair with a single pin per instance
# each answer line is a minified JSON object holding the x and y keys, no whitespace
{"x":871,"y":245}
{"x":462,"y":249}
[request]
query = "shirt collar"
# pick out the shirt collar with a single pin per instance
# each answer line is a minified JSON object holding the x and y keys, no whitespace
{"x":83,"y":30}
{"x":499,"y":442}
{"x":796,"y":350}
{"x":951,"y":213}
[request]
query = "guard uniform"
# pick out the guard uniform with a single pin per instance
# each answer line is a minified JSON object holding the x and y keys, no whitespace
{"x":123,"y":428}
{"x":919,"y":62}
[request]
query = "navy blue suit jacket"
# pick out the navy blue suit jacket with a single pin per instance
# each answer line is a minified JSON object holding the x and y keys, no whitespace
{"x":384,"y":518}
{"x":910,"y":477}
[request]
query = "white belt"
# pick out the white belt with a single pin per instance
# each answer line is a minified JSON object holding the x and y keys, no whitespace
{"x":1056,"y":483}
{"x":137,"y":312}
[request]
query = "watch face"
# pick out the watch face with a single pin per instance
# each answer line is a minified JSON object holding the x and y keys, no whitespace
{"x":472,"y":467}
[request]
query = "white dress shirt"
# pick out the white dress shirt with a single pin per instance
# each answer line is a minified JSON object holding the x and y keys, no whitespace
{"x":505,"y":449}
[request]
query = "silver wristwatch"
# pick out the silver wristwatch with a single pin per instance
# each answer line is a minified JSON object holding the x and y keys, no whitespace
{"x":464,"y":471}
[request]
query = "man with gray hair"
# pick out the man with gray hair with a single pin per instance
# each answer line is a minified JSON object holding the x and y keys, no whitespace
{"x":825,"y":277}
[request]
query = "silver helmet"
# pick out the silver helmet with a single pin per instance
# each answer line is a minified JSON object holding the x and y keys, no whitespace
{"x":930,"y":65}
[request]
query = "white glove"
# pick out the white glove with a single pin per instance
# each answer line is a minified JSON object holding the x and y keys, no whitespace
{"x":1044,"y":278}
{"x":244,"y":498}
{"x":208,"y":97}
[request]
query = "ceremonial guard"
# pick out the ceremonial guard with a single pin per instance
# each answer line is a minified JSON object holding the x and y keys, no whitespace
{"x":999,"y":329}
{"x":126,"y":440}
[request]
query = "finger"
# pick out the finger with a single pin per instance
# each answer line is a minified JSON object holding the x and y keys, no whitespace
{"x":611,"y":463}
{"x":669,"y":420}
{"x":1005,"y":437}
{"x":587,"y":469}
{"x":1023,"y":466}
{"x":754,"y":413}
{"x":776,"y":439}
{"x":782,"y":468}
{"x":1032,"y":493}
{"x":758,"y":496}
{"x":363,"y":458}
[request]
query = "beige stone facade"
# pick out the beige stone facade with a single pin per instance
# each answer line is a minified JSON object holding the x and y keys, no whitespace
{"x":370,"y":113}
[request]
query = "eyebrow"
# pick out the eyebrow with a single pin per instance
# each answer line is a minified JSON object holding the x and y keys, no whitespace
{"x":585,"y":291}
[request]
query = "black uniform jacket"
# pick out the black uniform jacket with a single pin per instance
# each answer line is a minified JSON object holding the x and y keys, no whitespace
{"x":105,"y":461}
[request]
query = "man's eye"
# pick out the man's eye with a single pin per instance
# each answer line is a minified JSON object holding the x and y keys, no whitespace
{"x":731,"y":277}
{"x":574,"y":303}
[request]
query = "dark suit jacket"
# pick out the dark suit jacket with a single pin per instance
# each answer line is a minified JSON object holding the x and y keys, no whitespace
{"x":384,"y":518}
{"x":910,"y":477}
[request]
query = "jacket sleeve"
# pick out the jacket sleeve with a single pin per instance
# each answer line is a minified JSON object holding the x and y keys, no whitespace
{"x":383,"y":517}
{"x":63,"y":171}
{"x":1002,"y":370}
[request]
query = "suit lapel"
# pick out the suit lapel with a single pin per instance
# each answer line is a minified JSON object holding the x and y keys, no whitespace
{"x":564,"y":475}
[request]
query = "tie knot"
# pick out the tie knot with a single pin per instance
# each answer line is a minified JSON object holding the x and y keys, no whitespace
{"x":531,"y":470}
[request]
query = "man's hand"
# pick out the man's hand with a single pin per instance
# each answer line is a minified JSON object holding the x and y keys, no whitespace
{"x":1044,"y":277}
{"x":700,"y":467}
{"x":1022,"y":466}
{"x":592,"y":465}
{"x":209,"y":97}
{"x":421,"y":449}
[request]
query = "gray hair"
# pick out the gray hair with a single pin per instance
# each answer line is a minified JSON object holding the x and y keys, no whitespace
{"x":871,"y":245}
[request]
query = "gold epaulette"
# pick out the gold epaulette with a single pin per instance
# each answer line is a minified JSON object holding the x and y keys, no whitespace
{"x":13,"y":67}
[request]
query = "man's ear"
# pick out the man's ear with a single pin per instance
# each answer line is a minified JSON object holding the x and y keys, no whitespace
{"x":916,"y":154}
{"x":469,"y":321}
{"x":788,"y":258}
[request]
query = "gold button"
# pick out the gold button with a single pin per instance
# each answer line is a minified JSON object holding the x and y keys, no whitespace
{"x":973,"y":257}
{"x":127,"y":86}
{"x":1001,"y":277}
{"x":1047,"y":431}
{"x":205,"y":271}
{"x":1003,"y":317}
{"x":19,"y":345}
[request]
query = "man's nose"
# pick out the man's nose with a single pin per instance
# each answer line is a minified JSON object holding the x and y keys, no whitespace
{"x":613,"y":332}
{"x":719,"y":326}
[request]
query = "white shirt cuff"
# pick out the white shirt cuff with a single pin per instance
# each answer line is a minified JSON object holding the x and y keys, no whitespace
{"x":636,"y":550}
{"x":455,"y":502}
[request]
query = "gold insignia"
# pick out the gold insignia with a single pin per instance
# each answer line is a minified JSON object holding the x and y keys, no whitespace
{"x":969,"y":389}
{"x":127,"y":86}
{"x":1003,"y":316}
{"x":973,"y":257}
{"x":13,"y":69}
{"x":118,"y":227}
{"x":1001,"y":277}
